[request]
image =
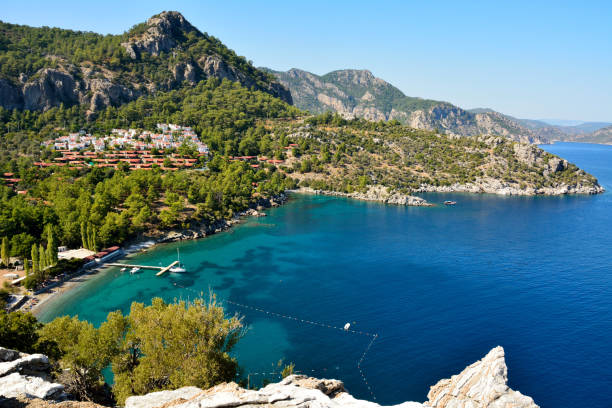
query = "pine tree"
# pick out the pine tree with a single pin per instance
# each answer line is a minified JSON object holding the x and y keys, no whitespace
{"x":5,"y":252}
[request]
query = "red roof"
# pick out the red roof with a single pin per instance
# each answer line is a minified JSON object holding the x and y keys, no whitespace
{"x":8,"y":174}
{"x":111,"y":249}
{"x":100,"y":254}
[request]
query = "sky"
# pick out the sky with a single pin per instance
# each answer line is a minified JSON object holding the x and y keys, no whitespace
{"x":529,"y":59}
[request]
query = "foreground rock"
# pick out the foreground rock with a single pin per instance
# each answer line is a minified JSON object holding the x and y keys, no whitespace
{"x":481,"y":385}
{"x":24,"y":382}
{"x":375,"y":193}
{"x":26,"y":376}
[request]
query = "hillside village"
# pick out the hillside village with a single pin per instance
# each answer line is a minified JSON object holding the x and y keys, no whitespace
{"x":140,"y":149}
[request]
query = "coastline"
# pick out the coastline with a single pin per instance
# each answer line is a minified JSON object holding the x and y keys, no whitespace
{"x":374,"y":194}
{"x":35,"y":302}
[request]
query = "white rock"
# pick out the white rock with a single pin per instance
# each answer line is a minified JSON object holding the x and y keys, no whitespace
{"x":17,"y":385}
{"x":483,"y":384}
{"x":157,"y":399}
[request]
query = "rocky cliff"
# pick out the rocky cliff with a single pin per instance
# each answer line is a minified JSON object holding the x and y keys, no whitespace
{"x":359,"y":94}
{"x":164,"y":53}
{"x":483,"y":384}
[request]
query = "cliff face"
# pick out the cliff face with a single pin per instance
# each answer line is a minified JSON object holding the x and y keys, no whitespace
{"x":166,"y":45}
{"x":359,"y":94}
{"x":482,"y":384}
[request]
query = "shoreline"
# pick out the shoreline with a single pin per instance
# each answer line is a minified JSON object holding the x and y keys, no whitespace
{"x":35,"y":302}
{"x":379,"y":194}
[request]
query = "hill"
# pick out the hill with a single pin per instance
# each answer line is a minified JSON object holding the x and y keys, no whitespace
{"x":603,"y":136}
{"x":359,"y":94}
{"x":46,"y":67}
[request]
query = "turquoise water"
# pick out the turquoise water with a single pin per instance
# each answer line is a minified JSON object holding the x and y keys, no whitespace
{"x":440,"y":286}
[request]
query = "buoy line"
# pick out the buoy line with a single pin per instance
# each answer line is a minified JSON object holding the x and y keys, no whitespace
{"x":319,"y":324}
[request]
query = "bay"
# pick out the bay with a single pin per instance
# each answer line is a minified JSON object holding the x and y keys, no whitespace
{"x":440,"y":286}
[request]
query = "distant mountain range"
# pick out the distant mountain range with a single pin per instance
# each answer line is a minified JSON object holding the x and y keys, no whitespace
{"x":358,"y":93}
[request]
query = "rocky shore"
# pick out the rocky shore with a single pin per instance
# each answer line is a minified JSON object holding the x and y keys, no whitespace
{"x":375,"y":193}
{"x":494,"y":186}
{"x":204,"y":229}
{"x":25,"y":382}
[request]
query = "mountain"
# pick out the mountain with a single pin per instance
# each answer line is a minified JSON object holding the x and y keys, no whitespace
{"x":358,"y":93}
{"x":45,"y":67}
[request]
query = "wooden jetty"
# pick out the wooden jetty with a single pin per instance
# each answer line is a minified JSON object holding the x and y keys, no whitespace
{"x":166,"y":269}
{"x":162,"y":269}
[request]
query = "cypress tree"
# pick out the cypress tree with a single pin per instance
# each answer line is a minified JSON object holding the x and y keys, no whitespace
{"x":94,"y":240}
{"x":26,"y":266}
{"x":83,"y":235}
{"x":5,"y":252}
{"x":41,"y":258}
{"x":89,"y":236}
{"x":35,"y":264}
{"x":51,"y":248}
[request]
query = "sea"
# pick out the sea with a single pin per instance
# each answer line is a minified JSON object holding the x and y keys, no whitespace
{"x":426,"y":291}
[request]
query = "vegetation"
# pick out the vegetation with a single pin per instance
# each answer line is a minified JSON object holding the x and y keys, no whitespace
{"x":157,"y":347}
{"x":97,"y":207}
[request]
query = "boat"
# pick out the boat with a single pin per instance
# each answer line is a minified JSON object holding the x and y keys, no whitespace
{"x":448,"y":202}
{"x":179,"y":267}
{"x":134,"y":270}
{"x":123,"y":269}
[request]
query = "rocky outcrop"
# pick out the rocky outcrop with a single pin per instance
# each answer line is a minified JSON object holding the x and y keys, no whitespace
{"x":51,"y":87}
{"x":482,"y":384}
{"x":27,"y":376}
{"x":164,"y":31}
{"x":294,"y":391}
{"x":11,"y":96}
{"x":374,"y":193}
{"x":111,"y":82}
{"x":359,"y":94}
{"x":168,"y":30}
{"x":185,"y":71}
{"x":68,"y":85}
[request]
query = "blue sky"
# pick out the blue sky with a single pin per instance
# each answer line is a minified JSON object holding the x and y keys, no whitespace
{"x":531,"y":59}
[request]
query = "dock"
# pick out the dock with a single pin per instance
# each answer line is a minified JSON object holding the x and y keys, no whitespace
{"x":166,"y":269}
{"x":162,"y":269}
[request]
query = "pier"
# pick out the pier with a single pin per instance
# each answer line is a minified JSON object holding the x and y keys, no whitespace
{"x":162,"y":269}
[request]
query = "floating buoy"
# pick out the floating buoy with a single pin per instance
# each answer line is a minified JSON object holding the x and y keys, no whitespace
{"x":347,"y":326}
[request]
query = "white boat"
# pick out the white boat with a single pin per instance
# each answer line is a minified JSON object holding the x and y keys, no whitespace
{"x":179,"y":267}
{"x":123,"y":269}
{"x":134,"y":270}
